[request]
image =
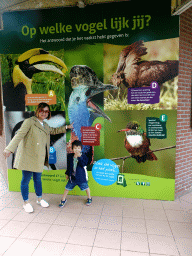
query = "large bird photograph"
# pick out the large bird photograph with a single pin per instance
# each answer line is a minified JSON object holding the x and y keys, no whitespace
{"x":126,"y":136}
{"x":138,"y":65}
{"x":84,"y":94}
{"x":35,"y":71}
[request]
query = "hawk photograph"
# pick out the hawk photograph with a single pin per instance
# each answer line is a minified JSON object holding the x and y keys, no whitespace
{"x":138,"y":65}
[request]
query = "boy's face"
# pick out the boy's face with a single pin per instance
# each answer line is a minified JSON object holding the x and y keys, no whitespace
{"x":76,"y":149}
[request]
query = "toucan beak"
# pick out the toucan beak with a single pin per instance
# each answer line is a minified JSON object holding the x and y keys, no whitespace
{"x":31,"y":62}
{"x":48,"y":58}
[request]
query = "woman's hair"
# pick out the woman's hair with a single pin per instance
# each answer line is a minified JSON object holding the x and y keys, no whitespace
{"x":41,"y":106}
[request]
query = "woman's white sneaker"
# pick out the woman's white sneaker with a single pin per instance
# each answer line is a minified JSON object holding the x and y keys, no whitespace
{"x":43,"y":203}
{"x":28,"y":207}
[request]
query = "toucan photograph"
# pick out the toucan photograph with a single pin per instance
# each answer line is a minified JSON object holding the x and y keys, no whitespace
{"x":36,"y":71}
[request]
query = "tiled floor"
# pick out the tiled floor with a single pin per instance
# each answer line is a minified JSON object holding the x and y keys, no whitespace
{"x":109,"y":227}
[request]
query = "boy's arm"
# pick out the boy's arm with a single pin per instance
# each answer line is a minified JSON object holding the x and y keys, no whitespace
{"x":83,"y":160}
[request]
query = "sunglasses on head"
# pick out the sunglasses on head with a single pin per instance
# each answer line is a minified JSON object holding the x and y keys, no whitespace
{"x":44,"y":111}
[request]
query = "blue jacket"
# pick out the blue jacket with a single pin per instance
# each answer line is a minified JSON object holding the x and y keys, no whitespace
{"x":83,"y":161}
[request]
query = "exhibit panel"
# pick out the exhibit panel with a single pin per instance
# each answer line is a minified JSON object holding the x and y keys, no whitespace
{"x":114,"y":75}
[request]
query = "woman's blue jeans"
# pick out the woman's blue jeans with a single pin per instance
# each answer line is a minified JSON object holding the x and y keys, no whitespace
{"x":25,"y":184}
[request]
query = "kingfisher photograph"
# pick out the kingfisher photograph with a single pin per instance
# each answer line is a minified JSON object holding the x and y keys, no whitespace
{"x":137,"y":66}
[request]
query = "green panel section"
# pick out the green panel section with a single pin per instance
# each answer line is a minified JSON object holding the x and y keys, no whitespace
{"x":54,"y":183}
{"x":57,"y":28}
{"x":164,"y":167}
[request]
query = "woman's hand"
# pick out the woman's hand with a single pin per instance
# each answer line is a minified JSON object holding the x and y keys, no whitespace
{"x":6,"y":153}
{"x":70,"y":126}
{"x":67,"y":177}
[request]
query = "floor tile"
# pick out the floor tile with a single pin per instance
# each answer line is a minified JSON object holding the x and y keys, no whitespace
{"x":54,"y":205}
{"x":110,"y":223}
{"x":99,"y":200}
{"x":16,"y":203}
{"x":35,"y":231}
{"x":76,"y":250}
{"x":49,"y":249}
{"x":46,"y":217}
{"x":12,"y":194}
{"x":112,"y":210}
{"x":133,"y":203}
{"x":3,"y":223}
{"x":72,"y":207}
{"x":82,"y":236}
{"x":66,"y":219}
{"x":88,"y":221}
{"x":24,"y":216}
{"x":114,"y":201}
{"x":58,"y":234}
{"x":158,"y":227}
{"x":155,"y":214}
{"x":178,"y":216}
{"x":108,"y":239}
{"x":184,"y":246}
{"x":92,"y":209}
{"x":21,"y":246}
{"x":13,"y":228}
{"x":181,"y":229}
{"x":104,"y":252}
{"x":154,"y":204}
{"x":5,"y":201}
{"x":134,"y":242}
{"x":3,"y":193}
{"x":8,"y":213}
{"x":134,"y":225}
{"x":177,"y":205}
{"x":129,"y":253}
{"x":162,"y":245}
{"x":5,"y":243}
{"x":187,"y":198}
{"x":137,"y":213}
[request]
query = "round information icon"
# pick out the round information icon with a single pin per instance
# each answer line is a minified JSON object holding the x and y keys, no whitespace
{"x":163,"y":118}
{"x":105,"y":172}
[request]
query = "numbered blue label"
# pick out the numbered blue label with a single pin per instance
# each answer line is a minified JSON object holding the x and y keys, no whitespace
{"x":105,"y":172}
{"x":52,"y":156}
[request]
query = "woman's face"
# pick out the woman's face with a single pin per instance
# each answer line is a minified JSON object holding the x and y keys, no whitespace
{"x":43,"y":113}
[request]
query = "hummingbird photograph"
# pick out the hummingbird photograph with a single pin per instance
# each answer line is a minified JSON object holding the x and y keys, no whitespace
{"x":137,"y":143}
{"x":126,"y":137}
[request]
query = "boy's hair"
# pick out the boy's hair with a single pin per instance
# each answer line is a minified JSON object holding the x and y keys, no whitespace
{"x":77,"y":143}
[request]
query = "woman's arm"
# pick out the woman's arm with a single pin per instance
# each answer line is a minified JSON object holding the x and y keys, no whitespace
{"x":61,"y":129}
{"x":19,"y":136}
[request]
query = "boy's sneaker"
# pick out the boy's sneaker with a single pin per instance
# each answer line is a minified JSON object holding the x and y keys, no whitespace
{"x":89,"y":201}
{"x":61,"y":205}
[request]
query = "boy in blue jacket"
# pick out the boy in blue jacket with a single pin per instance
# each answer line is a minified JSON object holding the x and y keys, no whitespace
{"x":76,"y":173}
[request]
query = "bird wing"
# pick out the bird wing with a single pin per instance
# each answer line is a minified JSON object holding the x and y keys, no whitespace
{"x":133,"y":55}
{"x":158,"y":71}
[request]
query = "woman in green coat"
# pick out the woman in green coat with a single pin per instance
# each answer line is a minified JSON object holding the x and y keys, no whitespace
{"x":33,"y":141}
